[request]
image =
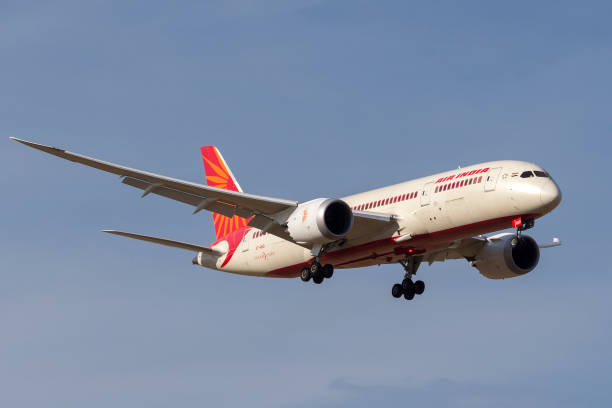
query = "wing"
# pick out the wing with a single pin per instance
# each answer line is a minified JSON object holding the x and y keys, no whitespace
{"x":202,"y":197}
{"x":167,"y":242}
{"x":266,"y":213}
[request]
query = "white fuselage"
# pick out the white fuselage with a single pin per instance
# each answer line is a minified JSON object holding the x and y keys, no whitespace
{"x":432,"y":212}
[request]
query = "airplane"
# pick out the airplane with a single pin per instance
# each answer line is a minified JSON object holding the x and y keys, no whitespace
{"x":429,"y":219}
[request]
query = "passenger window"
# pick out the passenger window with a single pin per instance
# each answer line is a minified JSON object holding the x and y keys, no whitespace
{"x":526,"y":174}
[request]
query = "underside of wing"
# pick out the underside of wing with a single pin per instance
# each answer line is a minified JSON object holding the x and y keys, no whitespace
{"x":462,"y":249}
{"x":372,"y":224}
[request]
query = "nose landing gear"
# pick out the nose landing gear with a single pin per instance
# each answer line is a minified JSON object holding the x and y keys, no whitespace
{"x":408,"y":288}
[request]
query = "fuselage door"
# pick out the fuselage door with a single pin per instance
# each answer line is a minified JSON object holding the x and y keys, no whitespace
{"x":491,"y":179}
{"x":426,"y":194}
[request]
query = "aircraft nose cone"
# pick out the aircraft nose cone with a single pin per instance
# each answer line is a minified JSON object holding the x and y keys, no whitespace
{"x":550,"y":195}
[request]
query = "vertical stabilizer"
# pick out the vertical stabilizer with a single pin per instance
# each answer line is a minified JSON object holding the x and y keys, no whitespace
{"x":218,"y":174}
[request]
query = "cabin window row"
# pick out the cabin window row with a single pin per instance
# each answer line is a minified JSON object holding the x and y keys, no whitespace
{"x":386,"y":201}
{"x":459,"y":184}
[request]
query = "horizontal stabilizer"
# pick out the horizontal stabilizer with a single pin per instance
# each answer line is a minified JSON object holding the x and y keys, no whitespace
{"x":166,"y":242}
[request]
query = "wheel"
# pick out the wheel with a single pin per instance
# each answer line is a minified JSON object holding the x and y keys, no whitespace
{"x":407,"y":285}
{"x":317,"y":279}
{"x":305,"y":275}
{"x":409,"y":293}
{"x":419,"y":287}
{"x":397,"y":291}
{"x":328,"y":271}
{"x":316,"y":270}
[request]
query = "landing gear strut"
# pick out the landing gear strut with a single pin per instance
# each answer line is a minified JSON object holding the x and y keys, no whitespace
{"x":525,"y":225}
{"x":408,"y":288}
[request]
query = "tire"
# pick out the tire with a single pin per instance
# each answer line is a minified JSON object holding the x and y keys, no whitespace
{"x":328,"y":271}
{"x":305,"y":275}
{"x":317,"y":279}
{"x":407,"y":285}
{"x":316,"y":271}
{"x":397,"y":291}
{"x":409,"y":294}
{"x":419,"y":287}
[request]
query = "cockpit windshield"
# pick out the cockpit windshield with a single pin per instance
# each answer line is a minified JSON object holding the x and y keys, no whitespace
{"x":535,"y":173}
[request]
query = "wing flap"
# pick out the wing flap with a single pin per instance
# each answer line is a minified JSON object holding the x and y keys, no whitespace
{"x":166,"y":242}
{"x":198,"y":201}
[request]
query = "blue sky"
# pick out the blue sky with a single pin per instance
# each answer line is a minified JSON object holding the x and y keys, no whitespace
{"x":305,"y":99}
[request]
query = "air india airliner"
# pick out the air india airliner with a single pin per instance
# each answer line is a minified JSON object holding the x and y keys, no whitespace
{"x":429,"y":219}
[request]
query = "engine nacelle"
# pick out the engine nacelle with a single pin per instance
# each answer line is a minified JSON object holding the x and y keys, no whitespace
{"x":320,"y":221}
{"x":507,"y":256}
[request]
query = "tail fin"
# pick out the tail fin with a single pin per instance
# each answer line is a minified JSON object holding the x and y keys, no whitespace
{"x":218,"y":174}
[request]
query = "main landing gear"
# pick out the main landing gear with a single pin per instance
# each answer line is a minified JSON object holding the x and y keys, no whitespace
{"x":317,"y":272}
{"x":408,"y":288}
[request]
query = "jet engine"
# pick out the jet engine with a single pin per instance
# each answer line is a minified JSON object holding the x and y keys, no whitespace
{"x":320,"y":221}
{"x":507,"y":256}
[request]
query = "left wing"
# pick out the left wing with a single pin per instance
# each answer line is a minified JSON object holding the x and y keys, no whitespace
{"x":468,"y":248}
{"x":267,"y":213}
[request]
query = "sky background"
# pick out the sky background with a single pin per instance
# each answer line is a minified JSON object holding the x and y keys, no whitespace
{"x":305,"y":99}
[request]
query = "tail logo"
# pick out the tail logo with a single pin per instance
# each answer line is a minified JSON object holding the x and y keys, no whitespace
{"x":219,"y":175}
